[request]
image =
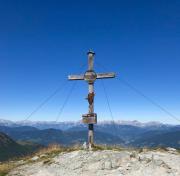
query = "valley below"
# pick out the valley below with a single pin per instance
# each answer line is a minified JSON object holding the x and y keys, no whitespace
{"x":127,"y":134}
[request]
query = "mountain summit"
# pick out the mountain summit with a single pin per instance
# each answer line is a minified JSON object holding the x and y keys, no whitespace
{"x":103,"y":162}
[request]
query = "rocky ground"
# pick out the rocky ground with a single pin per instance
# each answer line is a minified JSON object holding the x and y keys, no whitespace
{"x":103,"y":163}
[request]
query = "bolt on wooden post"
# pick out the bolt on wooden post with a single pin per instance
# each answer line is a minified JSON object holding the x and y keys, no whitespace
{"x":90,"y":77}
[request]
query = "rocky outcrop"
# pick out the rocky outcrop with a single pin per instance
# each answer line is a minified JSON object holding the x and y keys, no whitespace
{"x":104,"y":163}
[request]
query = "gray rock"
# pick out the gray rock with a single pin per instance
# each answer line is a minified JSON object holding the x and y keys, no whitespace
{"x":103,"y":163}
{"x":108,"y":165}
{"x":34,"y":158}
{"x":20,"y":162}
{"x":43,"y":155}
{"x":158,"y":162}
{"x":134,"y":155}
{"x":171,"y":149}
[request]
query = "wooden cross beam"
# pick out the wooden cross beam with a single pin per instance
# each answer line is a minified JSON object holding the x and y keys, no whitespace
{"x":90,"y":76}
{"x":99,"y":76}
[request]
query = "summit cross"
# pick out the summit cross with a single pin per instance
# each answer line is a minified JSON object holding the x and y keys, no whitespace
{"x":90,"y":77}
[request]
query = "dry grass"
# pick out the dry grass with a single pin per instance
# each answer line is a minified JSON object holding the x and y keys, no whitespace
{"x":54,"y":149}
{"x":6,"y":167}
{"x":108,"y":147}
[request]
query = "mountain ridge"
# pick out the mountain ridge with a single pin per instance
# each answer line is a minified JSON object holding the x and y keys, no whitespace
{"x":11,"y":149}
{"x":67,"y":124}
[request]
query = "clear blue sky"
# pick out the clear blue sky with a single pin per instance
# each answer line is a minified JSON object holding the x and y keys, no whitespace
{"x":41,"y":42}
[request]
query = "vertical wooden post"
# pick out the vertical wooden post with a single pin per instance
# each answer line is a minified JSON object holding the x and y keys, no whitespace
{"x":91,"y":111}
{"x":90,"y":60}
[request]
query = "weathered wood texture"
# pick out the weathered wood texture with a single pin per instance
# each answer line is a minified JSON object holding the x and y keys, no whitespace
{"x":76,"y":77}
{"x":90,"y":77}
{"x":91,"y":106}
{"x":105,"y":75}
{"x":90,"y":60}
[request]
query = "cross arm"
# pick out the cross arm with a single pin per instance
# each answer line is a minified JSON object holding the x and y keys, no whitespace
{"x":105,"y":75}
{"x":76,"y":77}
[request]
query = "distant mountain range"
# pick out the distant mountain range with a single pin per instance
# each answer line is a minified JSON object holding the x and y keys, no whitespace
{"x":127,"y":133}
{"x":69,"y":124}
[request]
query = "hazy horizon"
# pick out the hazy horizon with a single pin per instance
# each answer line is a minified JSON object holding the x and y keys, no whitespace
{"x":79,"y":121}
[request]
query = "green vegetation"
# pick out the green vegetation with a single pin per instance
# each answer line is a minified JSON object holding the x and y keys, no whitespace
{"x":9,"y":149}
